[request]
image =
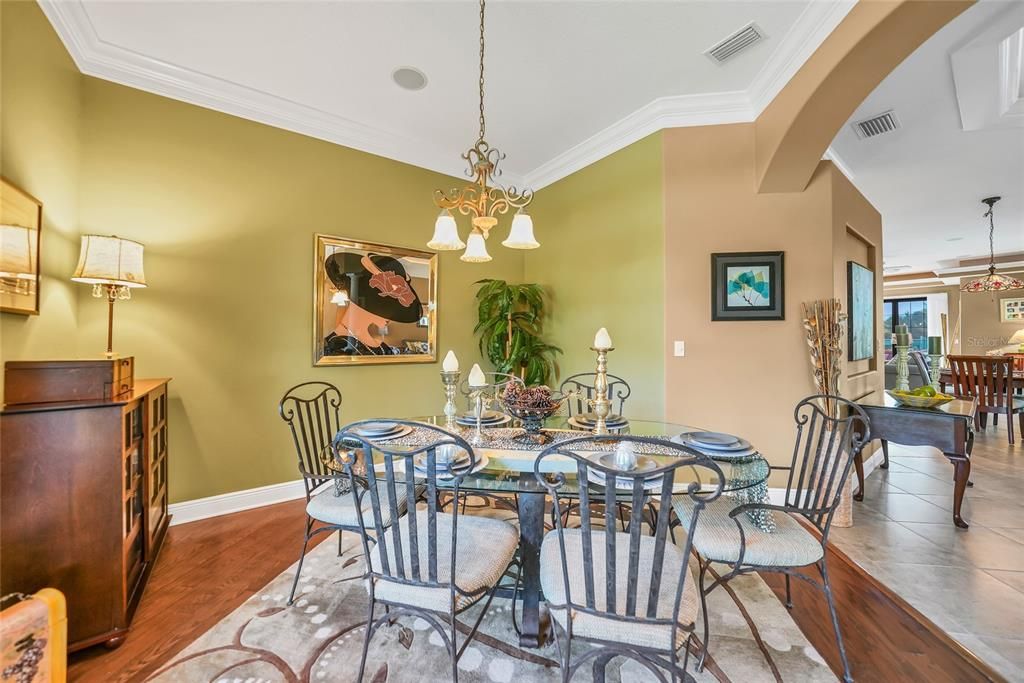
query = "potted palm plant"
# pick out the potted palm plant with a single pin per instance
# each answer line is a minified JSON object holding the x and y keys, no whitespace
{"x":510,"y":320}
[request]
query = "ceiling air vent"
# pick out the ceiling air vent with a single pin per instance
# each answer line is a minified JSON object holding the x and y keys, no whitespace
{"x":734,"y":44}
{"x":885,"y":122}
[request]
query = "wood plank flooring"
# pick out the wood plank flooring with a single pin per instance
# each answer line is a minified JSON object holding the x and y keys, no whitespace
{"x":205,"y":570}
{"x":209,"y":568}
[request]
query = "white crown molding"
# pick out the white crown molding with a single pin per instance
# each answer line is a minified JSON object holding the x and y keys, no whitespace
{"x":811,"y":28}
{"x":834,"y":157}
{"x":95,"y":57}
{"x":665,"y":112}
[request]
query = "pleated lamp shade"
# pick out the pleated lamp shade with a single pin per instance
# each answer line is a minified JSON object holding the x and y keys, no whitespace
{"x":110,"y":261}
{"x":18,"y":252}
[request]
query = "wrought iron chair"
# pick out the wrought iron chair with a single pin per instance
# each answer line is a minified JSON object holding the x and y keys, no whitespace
{"x":430,"y":564}
{"x":312,"y":411}
{"x":630,"y":594}
{"x":580,"y":390}
{"x":822,"y":458}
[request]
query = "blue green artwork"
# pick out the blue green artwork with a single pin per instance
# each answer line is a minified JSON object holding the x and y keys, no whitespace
{"x":860,"y":283}
{"x":748,"y":286}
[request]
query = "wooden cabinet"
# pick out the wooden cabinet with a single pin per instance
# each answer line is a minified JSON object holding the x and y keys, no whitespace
{"x":83,"y":504}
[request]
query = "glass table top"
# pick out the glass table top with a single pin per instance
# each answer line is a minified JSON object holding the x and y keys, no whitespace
{"x":511,"y":470}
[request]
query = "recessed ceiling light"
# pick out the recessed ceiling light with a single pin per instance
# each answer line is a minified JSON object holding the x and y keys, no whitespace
{"x":408,"y":78}
{"x":954,"y":239}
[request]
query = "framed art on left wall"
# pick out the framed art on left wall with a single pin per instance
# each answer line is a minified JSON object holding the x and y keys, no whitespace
{"x":21,"y":221}
{"x":373,"y":303}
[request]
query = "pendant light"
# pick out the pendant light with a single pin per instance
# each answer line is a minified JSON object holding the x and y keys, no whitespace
{"x":993,"y":282}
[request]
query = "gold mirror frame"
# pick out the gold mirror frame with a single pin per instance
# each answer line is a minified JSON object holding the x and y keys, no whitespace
{"x":20,"y":211}
{"x":322,"y":287}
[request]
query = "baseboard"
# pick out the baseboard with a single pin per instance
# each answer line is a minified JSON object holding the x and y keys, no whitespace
{"x":226,"y":503}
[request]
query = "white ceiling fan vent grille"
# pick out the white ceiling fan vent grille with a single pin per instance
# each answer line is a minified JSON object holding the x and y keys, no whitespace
{"x":886,"y":122}
{"x":736,"y":43}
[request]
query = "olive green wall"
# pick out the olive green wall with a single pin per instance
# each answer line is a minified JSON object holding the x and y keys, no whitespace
{"x":227,"y":209}
{"x":602,"y":260}
{"x":40,"y":108}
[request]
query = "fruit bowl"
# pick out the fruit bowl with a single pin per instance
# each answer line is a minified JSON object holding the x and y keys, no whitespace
{"x":912,"y":400}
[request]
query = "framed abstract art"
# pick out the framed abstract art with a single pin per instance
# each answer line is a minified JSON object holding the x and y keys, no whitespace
{"x":748,"y":286}
{"x":860,"y":305}
{"x":373,"y":303}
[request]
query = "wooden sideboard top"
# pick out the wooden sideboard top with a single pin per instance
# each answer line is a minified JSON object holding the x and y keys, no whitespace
{"x":141,"y":388}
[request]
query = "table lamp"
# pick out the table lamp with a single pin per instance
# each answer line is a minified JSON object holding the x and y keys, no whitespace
{"x":113,"y":266}
{"x":1018,"y":338}
{"x":18,"y":253}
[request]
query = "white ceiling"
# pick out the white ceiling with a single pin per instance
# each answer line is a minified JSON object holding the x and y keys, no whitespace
{"x":928,"y":177}
{"x":567,"y":82}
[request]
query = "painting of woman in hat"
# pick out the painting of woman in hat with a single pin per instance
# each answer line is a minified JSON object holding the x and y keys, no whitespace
{"x":377,"y":312}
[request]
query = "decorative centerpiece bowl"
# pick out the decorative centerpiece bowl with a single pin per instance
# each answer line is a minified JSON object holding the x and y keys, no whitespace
{"x":531,"y":405}
{"x":912,"y":400}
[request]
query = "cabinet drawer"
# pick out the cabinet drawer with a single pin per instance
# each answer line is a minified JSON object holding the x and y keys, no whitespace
{"x":72,"y":380}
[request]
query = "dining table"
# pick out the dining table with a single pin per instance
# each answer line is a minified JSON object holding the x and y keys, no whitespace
{"x":508,"y":474}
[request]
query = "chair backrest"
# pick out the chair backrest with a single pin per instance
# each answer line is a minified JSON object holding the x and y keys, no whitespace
{"x":920,"y":359}
{"x":823,"y":456}
{"x":637,"y":607}
{"x":312,"y":411}
{"x":401,"y":553}
{"x":580,"y":390}
{"x":987,"y":378}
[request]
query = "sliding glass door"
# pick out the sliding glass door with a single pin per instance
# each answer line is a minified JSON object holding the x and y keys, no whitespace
{"x":910,"y":312}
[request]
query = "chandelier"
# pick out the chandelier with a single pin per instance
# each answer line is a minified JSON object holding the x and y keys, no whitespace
{"x":483,"y":199}
{"x":993,"y":282}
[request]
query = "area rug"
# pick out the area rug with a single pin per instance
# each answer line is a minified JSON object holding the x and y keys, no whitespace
{"x":319,"y":638}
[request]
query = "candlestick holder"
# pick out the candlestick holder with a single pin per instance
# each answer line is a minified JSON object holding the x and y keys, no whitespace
{"x":902,"y":368}
{"x":450,"y":380}
{"x":600,"y":404}
{"x":480,"y":398}
{"x":935,"y":361}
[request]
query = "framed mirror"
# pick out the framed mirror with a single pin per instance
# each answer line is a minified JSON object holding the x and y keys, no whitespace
{"x":373,"y":303}
{"x":21,"y":221}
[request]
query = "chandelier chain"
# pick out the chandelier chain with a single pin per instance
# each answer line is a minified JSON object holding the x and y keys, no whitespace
{"x":991,"y":237}
{"x":483,"y":124}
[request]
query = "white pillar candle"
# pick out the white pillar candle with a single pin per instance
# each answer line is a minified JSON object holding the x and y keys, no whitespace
{"x":451,"y":363}
{"x":602,"y":340}
{"x":477,"y":377}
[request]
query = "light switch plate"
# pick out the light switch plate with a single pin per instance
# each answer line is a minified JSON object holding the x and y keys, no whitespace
{"x":680,"y":349}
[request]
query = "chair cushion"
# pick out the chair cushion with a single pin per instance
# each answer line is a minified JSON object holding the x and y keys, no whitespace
{"x":634,"y":631}
{"x":334,"y":509}
{"x":718,"y":539}
{"x":485,"y":548}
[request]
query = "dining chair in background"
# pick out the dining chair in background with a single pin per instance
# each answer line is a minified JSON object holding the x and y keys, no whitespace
{"x":312,"y":410}
{"x":580,"y":390}
{"x":431,"y":564}
{"x":822,"y":458}
{"x":626,"y":593}
{"x":989,"y":379}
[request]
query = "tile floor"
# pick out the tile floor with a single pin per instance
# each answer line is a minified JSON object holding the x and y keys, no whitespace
{"x":969,"y":583}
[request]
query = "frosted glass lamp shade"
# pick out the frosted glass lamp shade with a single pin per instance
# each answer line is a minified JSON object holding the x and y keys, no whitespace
{"x":446,"y":234}
{"x":521,"y":234}
{"x":476,"y":249}
{"x":110,"y":261}
{"x":1017,"y":338}
{"x":340,"y":298}
{"x":18,"y":252}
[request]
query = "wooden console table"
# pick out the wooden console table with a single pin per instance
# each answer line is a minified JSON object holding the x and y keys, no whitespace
{"x":948,"y":428}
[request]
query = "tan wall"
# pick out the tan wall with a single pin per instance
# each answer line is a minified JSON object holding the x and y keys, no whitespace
{"x":39,"y":151}
{"x":857,"y":236}
{"x":602,"y":262}
{"x":746,"y":377}
{"x":982,"y":330}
